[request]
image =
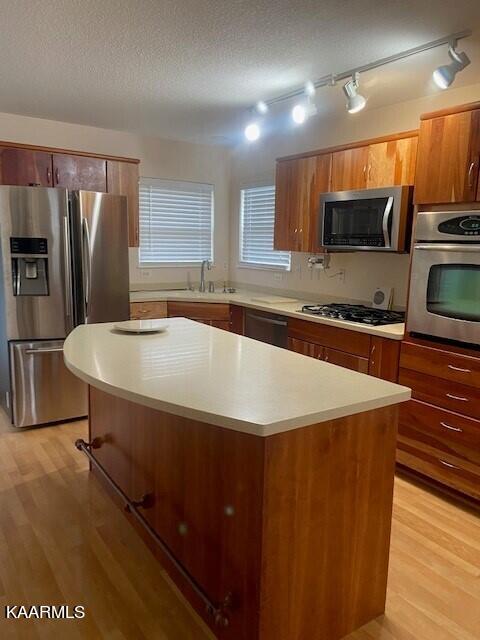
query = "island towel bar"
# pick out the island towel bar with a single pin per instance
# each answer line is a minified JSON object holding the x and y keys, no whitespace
{"x":218,"y":611}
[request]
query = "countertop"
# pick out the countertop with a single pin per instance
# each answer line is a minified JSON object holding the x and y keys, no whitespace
{"x":214,"y":376}
{"x":274,"y":304}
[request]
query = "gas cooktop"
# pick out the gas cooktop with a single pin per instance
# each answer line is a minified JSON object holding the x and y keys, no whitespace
{"x":355,"y":313}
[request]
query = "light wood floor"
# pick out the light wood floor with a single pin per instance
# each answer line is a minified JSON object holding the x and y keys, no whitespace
{"x":63,"y":542}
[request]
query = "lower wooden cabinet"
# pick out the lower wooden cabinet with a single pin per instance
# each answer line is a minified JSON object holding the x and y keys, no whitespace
{"x":347,"y":360}
{"x":439,"y":430}
{"x":212,"y":313}
{"x":148,"y":310}
{"x":350,"y":349}
{"x":441,"y":445}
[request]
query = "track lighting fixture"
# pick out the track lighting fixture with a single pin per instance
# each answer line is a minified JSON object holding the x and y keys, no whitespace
{"x":355,"y":101}
{"x":444,"y":76}
{"x":305,"y":107}
{"x":252,"y":132}
{"x":261,"y":107}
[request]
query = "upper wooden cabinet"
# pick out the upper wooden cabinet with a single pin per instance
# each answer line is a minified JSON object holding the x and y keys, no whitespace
{"x":349,"y":169}
{"x":448,"y":157}
{"x":122,"y":180}
{"x":79,"y":172}
{"x":392,"y":163}
{"x":381,"y":164}
{"x":25,"y":167}
{"x":299,"y":183}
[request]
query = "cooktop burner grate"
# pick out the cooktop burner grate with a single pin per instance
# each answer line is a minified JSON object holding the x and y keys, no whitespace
{"x":355,"y":313}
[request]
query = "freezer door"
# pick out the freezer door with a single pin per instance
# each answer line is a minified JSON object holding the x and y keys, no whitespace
{"x":35,"y":263}
{"x":43,"y":389}
{"x":100,"y":225}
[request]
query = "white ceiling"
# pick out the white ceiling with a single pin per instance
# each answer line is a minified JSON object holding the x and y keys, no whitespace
{"x":189,"y":69}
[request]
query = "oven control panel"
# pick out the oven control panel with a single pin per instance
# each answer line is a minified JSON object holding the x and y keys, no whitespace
{"x":461,"y":226}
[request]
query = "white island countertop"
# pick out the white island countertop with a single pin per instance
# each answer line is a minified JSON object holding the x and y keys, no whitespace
{"x":214,"y":376}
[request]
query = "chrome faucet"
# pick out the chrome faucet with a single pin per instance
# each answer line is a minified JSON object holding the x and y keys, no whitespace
{"x":208,"y":264}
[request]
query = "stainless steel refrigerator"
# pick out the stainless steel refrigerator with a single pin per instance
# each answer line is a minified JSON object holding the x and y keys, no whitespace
{"x":63,"y":262}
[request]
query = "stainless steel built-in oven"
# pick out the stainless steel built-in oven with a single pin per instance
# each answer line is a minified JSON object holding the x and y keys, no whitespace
{"x":444,"y":299}
{"x":366,"y":220}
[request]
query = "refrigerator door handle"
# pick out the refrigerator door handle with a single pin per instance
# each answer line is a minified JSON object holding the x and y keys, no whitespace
{"x":68,"y":268}
{"x":50,"y":350}
{"x":86,"y":264}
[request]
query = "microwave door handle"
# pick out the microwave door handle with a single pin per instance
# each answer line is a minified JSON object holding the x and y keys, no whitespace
{"x":386,"y":218}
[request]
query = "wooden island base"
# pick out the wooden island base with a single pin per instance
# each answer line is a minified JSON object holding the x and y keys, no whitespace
{"x":295,"y":526}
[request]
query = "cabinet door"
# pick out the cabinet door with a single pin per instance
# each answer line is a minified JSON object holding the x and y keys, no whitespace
{"x":122,"y":180}
{"x":282,"y":236}
{"x":299,"y":183}
{"x":148,"y":310}
{"x":392,"y":163}
{"x":79,"y":172}
{"x":25,"y":167}
{"x":346,"y":360}
{"x":448,"y":158}
{"x":349,"y":169}
{"x":305,"y":348}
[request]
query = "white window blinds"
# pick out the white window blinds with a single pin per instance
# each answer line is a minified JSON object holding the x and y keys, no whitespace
{"x":176,"y":222}
{"x":257,"y":217}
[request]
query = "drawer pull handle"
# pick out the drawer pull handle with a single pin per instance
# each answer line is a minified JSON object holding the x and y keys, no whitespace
{"x":448,"y":426}
{"x":461,"y":398}
{"x":448,"y":464}
{"x":450,"y":366}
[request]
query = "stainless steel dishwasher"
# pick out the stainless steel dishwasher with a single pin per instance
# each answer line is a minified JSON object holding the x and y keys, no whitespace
{"x":266,"y":327}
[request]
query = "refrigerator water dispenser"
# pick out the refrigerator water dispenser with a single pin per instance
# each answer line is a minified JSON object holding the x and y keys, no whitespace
{"x":30,"y":267}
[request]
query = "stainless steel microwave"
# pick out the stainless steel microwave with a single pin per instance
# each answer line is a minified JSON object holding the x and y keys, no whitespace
{"x":366,"y":220}
{"x":444,"y":299}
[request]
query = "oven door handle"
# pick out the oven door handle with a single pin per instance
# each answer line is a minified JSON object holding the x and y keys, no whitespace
{"x":459,"y":248}
{"x":386,"y":217}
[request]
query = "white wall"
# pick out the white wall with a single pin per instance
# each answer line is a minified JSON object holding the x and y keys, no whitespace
{"x":159,"y":159}
{"x":254,"y":163}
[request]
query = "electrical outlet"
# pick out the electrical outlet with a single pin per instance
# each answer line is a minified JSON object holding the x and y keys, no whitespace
{"x":341,"y":275}
{"x":278,"y":277}
{"x":145,"y":273}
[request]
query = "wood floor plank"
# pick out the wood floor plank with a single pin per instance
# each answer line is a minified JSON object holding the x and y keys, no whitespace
{"x":62,"y":541}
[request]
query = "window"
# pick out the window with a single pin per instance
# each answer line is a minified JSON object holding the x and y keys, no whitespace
{"x":257,"y":217}
{"x":176,"y":222}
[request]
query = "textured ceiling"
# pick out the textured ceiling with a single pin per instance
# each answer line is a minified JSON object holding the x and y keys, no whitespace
{"x":189,"y":69}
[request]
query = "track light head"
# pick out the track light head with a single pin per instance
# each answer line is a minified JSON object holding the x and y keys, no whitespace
{"x":355,"y":101}
{"x":309,"y":89}
{"x":299,"y":114}
{"x":252,"y":132}
{"x":261,"y":107}
{"x":444,"y":76}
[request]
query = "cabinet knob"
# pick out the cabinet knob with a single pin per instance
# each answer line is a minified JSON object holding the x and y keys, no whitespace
{"x":183,"y":528}
{"x":229,"y":510}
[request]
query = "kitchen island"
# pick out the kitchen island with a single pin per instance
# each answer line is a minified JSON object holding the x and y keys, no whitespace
{"x":260,"y":478}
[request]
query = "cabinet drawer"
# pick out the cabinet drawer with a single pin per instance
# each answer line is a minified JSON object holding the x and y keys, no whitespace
{"x":443,"y":393}
{"x":199,"y":310}
{"x":344,"y":340}
{"x":429,"y":427}
{"x":148,"y":310}
{"x":443,"y":364}
{"x":449,"y":471}
{"x":347,"y":360}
